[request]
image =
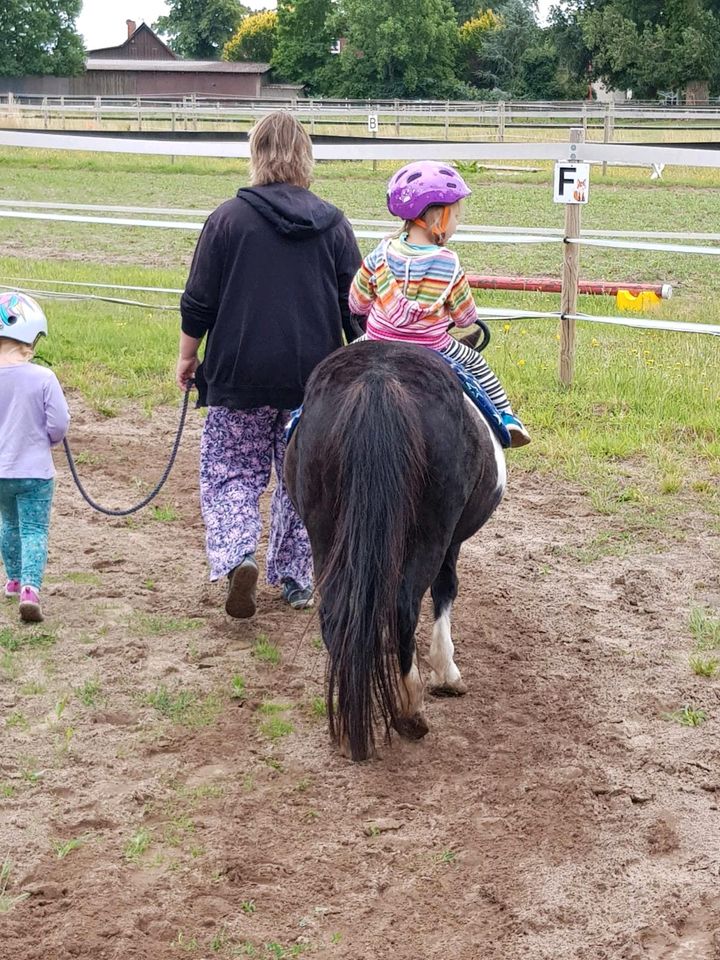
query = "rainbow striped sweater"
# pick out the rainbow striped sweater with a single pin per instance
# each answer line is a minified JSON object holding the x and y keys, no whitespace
{"x":412,"y":293}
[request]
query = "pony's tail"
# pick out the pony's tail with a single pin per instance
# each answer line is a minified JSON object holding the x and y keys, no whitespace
{"x":377,"y":452}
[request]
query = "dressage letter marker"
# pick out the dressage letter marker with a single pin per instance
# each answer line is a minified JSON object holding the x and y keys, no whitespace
{"x":571,"y":182}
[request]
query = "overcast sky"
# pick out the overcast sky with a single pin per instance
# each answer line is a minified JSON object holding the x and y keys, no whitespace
{"x":102,"y":22}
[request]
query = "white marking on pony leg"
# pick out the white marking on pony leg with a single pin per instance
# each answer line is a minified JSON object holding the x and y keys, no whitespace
{"x":445,"y":676}
{"x":411,"y":722}
{"x":411,"y":694}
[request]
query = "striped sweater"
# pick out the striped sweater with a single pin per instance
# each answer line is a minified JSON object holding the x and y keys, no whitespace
{"x":412,"y":293}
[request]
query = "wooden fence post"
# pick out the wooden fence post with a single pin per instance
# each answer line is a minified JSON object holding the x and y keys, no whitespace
{"x":501,"y":121}
{"x":570,"y":276}
{"x":608,"y":128}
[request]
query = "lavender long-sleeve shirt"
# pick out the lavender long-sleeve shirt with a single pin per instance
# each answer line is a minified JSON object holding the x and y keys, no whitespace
{"x":33,"y":416}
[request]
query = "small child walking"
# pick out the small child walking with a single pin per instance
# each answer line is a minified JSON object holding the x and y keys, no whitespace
{"x":412,"y":288}
{"x":33,"y":416}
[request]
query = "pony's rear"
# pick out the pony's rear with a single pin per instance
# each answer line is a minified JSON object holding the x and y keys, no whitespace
{"x":382,"y":467}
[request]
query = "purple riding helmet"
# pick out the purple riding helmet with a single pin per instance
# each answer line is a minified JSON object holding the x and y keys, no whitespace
{"x":422,"y":184}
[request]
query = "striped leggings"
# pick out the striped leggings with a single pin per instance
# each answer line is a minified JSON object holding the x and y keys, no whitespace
{"x":475,"y":364}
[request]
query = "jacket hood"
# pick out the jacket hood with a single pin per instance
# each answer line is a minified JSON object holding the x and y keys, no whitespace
{"x":293,"y":211}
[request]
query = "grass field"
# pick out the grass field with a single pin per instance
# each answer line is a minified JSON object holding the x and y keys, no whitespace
{"x":639,"y":426}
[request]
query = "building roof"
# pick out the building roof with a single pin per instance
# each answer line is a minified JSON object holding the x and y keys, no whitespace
{"x":102,"y":52}
{"x":176,"y":66}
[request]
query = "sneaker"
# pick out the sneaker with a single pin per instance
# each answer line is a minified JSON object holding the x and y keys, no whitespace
{"x":30,"y":609}
{"x":299,"y":598}
{"x":242,"y":581}
{"x":519,"y":436}
{"x":12,"y":590}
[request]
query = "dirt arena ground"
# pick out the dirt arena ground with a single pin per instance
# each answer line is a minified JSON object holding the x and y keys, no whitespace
{"x":554,"y":813}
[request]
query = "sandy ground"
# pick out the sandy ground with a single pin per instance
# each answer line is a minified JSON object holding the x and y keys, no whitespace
{"x":554,"y":812}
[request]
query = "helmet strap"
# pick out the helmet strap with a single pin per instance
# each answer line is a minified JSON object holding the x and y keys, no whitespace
{"x":438,"y":229}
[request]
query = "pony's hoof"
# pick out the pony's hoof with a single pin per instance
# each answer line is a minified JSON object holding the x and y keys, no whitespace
{"x":414,"y":727}
{"x":454,"y":688}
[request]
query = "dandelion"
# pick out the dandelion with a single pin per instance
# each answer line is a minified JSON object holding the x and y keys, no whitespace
{"x":594,"y":342}
{"x":507,"y":327}
{"x":521,"y":363}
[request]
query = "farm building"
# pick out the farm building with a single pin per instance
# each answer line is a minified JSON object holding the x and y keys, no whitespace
{"x":144,"y":66}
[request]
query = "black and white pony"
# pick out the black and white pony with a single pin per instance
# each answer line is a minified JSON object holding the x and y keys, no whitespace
{"x":390,"y":467}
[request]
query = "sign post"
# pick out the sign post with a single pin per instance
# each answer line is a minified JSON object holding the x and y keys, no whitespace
{"x":373,"y":129}
{"x":571,"y":187}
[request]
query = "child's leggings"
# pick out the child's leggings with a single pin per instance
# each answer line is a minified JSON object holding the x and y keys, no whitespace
{"x":25,"y":513}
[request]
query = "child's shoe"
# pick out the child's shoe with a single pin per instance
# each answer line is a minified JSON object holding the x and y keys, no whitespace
{"x":12,"y":590}
{"x":30,"y":609}
{"x":518,"y":434}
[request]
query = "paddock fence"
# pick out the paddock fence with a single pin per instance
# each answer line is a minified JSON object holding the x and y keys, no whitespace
{"x":165,"y":218}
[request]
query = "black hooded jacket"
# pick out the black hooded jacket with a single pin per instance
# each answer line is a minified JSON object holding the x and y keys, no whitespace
{"x":269,"y":286}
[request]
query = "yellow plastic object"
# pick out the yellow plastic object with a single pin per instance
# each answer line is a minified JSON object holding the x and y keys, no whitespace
{"x":637,"y":301}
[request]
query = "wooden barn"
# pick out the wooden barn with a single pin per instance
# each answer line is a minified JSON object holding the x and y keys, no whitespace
{"x":144,"y":66}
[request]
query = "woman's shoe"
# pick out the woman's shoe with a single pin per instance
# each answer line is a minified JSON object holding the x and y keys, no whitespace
{"x":242,"y":581}
{"x":299,"y":598}
{"x":519,"y":436}
{"x":30,"y":609}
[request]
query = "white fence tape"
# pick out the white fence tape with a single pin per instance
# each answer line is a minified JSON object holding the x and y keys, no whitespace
{"x":378,"y":150}
{"x":358,"y":222}
{"x":644,"y":245}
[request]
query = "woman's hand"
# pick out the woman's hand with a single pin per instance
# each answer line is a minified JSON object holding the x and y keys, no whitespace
{"x":185,"y":372}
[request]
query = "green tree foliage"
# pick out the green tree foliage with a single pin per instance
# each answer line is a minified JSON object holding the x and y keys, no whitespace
{"x":304,"y":38}
{"x":648,"y":45}
{"x":472,"y":40}
{"x":40,"y":38}
{"x":467,"y":10}
{"x":398,"y":48}
{"x":254,"y":40}
{"x":198,"y":29}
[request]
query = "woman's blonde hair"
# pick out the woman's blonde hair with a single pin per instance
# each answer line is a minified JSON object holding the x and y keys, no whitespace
{"x":280,"y":151}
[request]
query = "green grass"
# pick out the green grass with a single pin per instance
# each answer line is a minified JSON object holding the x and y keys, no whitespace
{"x":185,"y":707}
{"x":688,"y":716}
{"x":156,"y":624}
{"x":62,"y":848}
{"x":275,"y":728}
{"x":704,"y":666}
{"x":88,"y":693}
{"x":14,"y":640}
{"x":705,"y":628}
{"x":238,"y":688}
{"x":7,"y":900}
{"x":137,"y":845}
{"x":266,"y":651}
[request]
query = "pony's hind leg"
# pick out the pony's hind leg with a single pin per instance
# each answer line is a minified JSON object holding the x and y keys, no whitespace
{"x":410,"y":722}
{"x":445,"y":678}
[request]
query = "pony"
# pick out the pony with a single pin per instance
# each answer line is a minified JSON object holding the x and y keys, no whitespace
{"x":390,"y":468}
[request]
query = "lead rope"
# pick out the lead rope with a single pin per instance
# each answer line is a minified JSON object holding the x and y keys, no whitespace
{"x":161,"y":483}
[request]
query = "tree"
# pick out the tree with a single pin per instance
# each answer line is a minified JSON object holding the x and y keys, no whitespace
{"x":40,"y":38}
{"x":472,"y":37}
{"x":254,"y":40}
{"x":399,"y":48}
{"x":304,"y":38}
{"x":198,"y":29}
{"x":649,"y":45}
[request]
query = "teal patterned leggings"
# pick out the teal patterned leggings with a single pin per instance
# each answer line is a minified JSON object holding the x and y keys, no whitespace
{"x":25,"y":512}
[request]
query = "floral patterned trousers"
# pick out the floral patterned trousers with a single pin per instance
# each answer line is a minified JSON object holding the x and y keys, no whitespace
{"x":237,"y":452}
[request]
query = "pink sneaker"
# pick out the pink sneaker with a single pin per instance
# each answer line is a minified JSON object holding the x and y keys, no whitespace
{"x":12,"y":589}
{"x":30,"y":609}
